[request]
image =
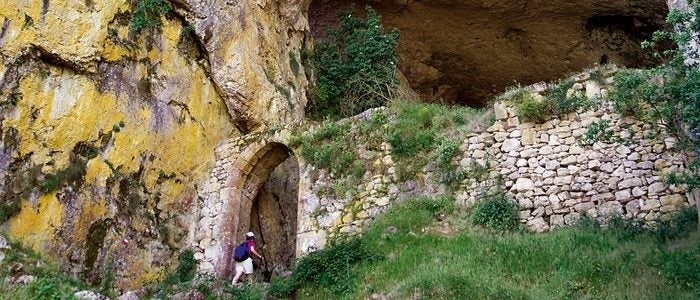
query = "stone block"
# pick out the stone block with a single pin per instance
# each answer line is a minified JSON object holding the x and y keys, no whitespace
{"x":628,"y":183}
{"x":556,"y":221}
{"x":632,"y":208}
{"x":638,"y":192}
{"x":584,"y":207}
{"x":569,"y":160}
{"x":656,"y":188}
{"x":611,"y":208}
{"x":500,"y":111}
{"x":546,"y":150}
{"x":650,"y":205}
{"x":673,"y":200}
{"x":623,"y":196}
{"x":538,"y":225}
{"x":510,"y":145}
{"x":528,"y":136}
{"x":572,"y":218}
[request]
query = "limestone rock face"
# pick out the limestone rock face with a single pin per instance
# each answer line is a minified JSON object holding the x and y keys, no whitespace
{"x":105,"y":134}
{"x":254,"y":48}
{"x":463,"y":51}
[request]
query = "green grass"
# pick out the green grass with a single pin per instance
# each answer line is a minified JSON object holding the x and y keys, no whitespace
{"x":50,"y":282}
{"x":419,"y":133}
{"x":469,"y":263}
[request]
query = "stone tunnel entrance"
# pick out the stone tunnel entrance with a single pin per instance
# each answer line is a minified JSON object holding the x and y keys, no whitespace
{"x":465,"y":51}
{"x":269,"y":206}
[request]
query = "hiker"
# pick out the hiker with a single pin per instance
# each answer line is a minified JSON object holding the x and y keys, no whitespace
{"x":244,"y":263}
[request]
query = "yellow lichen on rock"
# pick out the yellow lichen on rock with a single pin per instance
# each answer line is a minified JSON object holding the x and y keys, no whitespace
{"x":149,"y":118}
{"x":36,"y":224}
{"x":67,"y":28}
{"x":57,"y":112}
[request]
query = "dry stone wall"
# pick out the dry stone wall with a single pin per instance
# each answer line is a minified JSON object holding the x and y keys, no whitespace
{"x":556,"y":176}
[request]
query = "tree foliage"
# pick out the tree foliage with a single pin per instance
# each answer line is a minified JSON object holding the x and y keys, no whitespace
{"x":669,"y":94}
{"x":356,"y":65}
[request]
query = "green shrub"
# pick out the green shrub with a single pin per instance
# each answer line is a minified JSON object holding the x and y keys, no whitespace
{"x":329,"y":147}
{"x":599,"y":131}
{"x":47,"y":288}
{"x":532,"y":109}
{"x":245,"y":292}
{"x":626,"y":229}
{"x":434,"y":205}
{"x":331,"y":268}
{"x":562,"y":102}
{"x":356,"y":66}
{"x":187,"y":267}
{"x":629,"y":92}
{"x":588,"y":223}
{"x":9,"y":208}
{"x":445,"y":152}
{"x":495,"y":211}
{"x":557,"y":102}
{"x":679,"y":226}
{"x":294,"y":63}
{"x":147,"y":14}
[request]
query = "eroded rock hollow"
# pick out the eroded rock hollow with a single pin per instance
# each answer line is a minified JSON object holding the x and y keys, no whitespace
{"x":465,"y":51}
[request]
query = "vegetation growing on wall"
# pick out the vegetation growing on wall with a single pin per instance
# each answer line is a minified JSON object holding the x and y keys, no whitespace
{"x":417,"y":133}
{"x":148,"y":14}
{"x":356,"y":67}
{"x":557,"y":101}
{"x":667,"y":96}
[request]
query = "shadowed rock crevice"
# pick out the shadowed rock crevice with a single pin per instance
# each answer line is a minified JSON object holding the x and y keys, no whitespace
{"x":464,"y":52}
{"x":274,"y":214}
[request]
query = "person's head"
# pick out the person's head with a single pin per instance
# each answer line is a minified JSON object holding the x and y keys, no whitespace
{"x":249,"y":236}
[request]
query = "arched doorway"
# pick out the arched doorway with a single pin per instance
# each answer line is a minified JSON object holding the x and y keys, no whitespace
{"x":268,"y":206}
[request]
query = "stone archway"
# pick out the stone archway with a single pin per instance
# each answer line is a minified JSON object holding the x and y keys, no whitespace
{"x":253,"y":186}
{"x":269,"y":205}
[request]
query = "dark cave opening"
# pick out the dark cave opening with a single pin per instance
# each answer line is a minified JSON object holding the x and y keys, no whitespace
{"x":466,"y":52}
{"x":273,"y":217}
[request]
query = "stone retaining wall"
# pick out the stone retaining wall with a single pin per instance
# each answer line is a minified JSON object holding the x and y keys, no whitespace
{"x":555,"y":177}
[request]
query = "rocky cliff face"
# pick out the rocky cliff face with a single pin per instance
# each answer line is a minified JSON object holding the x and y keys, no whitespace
{"x":465,"y":51}
{"x":105,"y":134}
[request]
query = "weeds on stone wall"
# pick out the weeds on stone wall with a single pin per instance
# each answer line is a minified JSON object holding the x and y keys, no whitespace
{"x":294,"y":63}
{"x":147,"y":15}
{"x":74,"y":173}
{"x":556,"y":101}
{"x":49,"y":282}
{"x":599,"y":131}
{"x":356,"y":67}
{"x":422,"y":132}
{"x":418,"y":134}
{"x":679,"y":225}
{"x":667,"y":96}
{"x":329,"y":147}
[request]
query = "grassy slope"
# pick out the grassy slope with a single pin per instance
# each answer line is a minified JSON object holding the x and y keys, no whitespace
{"x":432,"y":260}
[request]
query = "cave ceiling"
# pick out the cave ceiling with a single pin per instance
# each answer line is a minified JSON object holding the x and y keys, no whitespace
{"x":464,"y":52}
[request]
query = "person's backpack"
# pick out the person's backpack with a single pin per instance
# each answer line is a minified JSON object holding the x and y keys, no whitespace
{"x":241,"y":252}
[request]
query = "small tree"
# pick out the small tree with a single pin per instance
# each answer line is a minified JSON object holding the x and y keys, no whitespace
{"x":356,"y":64}
{"x":671,"y":92}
